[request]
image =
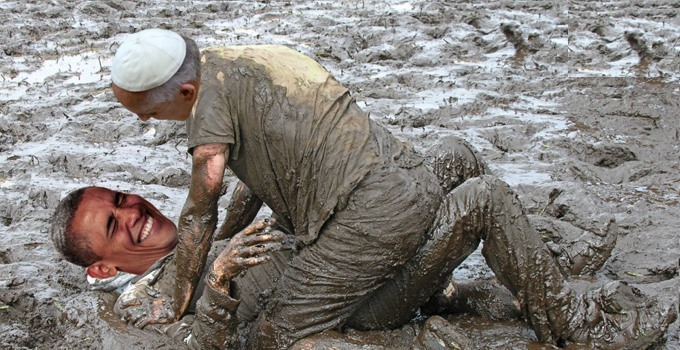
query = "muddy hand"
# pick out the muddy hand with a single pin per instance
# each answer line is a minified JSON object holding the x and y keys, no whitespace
{"x":144,"y":305}
{"x":248,"y":248}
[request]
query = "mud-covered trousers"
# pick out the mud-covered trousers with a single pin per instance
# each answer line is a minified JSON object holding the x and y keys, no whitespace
{"x":372,"y":269}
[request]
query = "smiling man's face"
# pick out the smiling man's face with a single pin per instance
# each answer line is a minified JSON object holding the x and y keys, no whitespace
{"x":126,"y":231}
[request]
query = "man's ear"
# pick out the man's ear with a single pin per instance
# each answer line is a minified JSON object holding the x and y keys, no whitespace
{"x":188,"y":91}
{"x":101,"y":270}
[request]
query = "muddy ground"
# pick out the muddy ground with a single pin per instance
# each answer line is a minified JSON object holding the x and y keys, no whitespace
{"x":580,"y":97}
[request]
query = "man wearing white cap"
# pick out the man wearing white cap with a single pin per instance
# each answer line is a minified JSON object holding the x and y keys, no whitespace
{"x":372,"y":222}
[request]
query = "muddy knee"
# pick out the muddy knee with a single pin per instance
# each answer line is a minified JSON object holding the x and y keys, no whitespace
{"x":453,"y":160}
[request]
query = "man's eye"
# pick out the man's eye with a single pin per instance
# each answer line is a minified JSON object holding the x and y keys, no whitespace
{"x":120,"y":199}
{"x":110,"y":226}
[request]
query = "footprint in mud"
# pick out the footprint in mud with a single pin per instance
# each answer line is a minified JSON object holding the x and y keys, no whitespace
{"x":647,"y":53}
{"x":620,"y":268}
{"x":175,"y":177}
{"x":509,"y":138}
{"x":606,"y":155}
{"x":5,"y":257}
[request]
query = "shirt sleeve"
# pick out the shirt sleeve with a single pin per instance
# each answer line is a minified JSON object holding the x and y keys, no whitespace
{"x":211,"y":120}
{"x":216,"y":322}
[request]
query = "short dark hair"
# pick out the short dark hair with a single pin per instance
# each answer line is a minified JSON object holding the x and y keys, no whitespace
{"x":74,"y":248}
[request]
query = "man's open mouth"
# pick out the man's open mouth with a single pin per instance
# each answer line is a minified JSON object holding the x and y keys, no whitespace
{"x":146,"y":230}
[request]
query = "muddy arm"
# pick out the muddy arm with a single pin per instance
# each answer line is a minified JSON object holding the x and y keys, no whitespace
{"x":197,"y":221}
{"x":216,"y":324}
{"x":241,"y":211}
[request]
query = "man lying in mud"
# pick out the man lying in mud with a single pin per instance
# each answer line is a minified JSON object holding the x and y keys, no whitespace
{"x":365,"y":211}
{"x":111,"y":233}
{"x":142,"y":239}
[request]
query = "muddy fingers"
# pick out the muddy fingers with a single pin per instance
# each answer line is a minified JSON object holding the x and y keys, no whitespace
{"x":248,"y":248}
{"x":260,"y":226}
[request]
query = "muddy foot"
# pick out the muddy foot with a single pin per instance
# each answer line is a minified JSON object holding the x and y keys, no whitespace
{"x":619,"y":316}
{"x":584,"y":255}
{"x":486,"y":298}
{"x":439,"y":334}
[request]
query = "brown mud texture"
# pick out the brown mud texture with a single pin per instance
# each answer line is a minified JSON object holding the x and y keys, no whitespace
{"x":574,"y":103}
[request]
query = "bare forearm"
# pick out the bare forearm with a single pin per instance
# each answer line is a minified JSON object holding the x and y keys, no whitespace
{"x":191,"y":254}
{"x":197,"y":221}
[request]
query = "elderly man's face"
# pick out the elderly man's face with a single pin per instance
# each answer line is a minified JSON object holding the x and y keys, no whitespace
{"x":126,"y":231}
{"x":178,"y":108}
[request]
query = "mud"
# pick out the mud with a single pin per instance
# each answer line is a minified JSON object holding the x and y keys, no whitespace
{"x":580,"y":97}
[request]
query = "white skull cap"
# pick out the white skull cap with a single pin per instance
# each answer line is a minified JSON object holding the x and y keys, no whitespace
{"x":147,"y":59}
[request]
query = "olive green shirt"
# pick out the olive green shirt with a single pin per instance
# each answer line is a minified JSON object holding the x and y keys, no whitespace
{"x":296,"y":138}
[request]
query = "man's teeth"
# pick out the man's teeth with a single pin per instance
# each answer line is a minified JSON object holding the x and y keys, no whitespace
{"x":146,"y":231}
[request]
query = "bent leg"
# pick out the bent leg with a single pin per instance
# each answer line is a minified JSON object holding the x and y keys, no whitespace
{"x":614,"y":316}
{"x":453,"y":160}
{"x":481,"y":208}
{"x":398,"y":299}
{"x":485,"y":208}
{"x":384,"y":223}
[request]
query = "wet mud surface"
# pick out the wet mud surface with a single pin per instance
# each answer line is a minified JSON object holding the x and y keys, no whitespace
{"x":577,"y":98}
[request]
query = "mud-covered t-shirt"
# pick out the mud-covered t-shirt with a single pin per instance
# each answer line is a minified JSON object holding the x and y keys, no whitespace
{"x":296,"y":138}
